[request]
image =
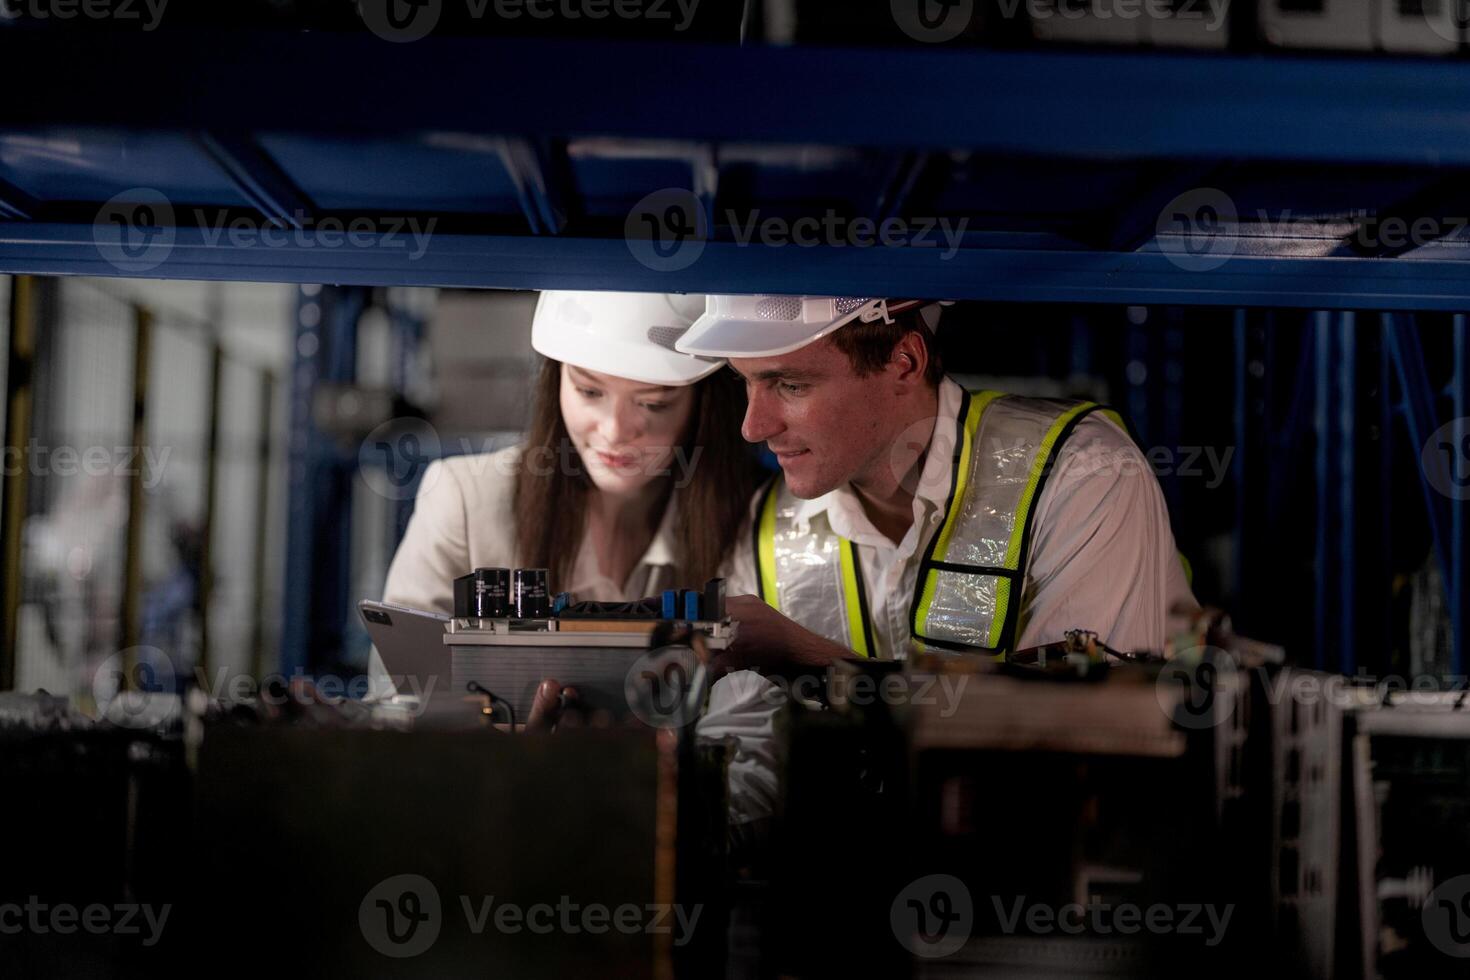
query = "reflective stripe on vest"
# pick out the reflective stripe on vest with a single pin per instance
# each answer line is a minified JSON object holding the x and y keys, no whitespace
{"x":968,"y":593}
{"x":1004,"y":446}
{"x":834,"y":591}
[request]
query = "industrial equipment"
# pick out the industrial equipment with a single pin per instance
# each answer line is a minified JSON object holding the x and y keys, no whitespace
{"x":606,"y":651}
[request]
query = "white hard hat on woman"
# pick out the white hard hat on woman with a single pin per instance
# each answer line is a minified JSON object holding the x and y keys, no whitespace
{"x":630,"y":335}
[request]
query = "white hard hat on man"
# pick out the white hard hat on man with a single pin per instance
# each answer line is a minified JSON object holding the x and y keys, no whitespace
{"x":766,"y":325}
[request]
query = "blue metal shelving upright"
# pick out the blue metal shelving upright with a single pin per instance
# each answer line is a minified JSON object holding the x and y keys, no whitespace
{"x":318,"y":539}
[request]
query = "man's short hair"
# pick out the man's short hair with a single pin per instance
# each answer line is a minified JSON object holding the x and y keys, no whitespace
{"x":869,"y":346}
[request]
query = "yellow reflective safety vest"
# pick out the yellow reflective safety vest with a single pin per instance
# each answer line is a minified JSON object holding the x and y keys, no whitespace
{"x":968,"y":594}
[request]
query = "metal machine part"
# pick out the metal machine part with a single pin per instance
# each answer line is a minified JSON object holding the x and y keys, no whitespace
{"x":1409,"y":762}
{"x":1050,"y":789}
{"x":612,"y":664}
{"x":1306,"y":748}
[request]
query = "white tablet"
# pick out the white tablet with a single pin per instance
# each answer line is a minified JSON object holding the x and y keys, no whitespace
{"x":411,"y":645}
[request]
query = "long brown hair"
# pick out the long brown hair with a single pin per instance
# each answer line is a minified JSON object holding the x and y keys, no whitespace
{"x":551,"y":509}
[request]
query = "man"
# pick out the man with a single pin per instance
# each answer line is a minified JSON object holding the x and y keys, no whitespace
{"x":911,"y":513}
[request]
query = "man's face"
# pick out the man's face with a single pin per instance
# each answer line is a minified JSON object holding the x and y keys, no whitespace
{"x":826,"y":425}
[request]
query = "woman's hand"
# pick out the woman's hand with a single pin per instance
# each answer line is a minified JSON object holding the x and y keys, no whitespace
{"x":547,"y":705}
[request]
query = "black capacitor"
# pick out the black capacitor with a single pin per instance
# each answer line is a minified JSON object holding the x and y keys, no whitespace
{"x":532,"y":596}
{"x":483,"y":594}
{"x":713,"y":606}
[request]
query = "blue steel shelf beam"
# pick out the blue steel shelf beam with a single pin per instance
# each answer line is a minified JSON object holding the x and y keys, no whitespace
{"x":704,"y":169}
{"x":1436,"y":211}
{"x":1148,"y":277}
{"x":907,"y":170}
{"x":1066,"y":104}
{"x":258,"y":178}
{"x":535,"y":173}
{"x":16,"y":204}
{"x":1135,"y":224}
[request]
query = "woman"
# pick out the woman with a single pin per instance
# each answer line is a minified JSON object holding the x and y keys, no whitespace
{"x":633,"y":477}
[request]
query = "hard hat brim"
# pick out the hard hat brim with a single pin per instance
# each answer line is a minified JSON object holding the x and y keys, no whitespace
{"x":717,"y":335}
{"x":653,"y":366}
{"x":613,"y":333}
{"x":714,"y":336}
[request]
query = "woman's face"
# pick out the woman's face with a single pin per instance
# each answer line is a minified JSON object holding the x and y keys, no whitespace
{"x":626,"y":432}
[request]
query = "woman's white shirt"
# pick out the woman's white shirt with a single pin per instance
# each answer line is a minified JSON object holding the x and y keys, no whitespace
{"x":464,"y":518}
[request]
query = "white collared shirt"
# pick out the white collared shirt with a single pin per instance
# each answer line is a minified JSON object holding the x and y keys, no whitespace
{"x":1102,"y":558}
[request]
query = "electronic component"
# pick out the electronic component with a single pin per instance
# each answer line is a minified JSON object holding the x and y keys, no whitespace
{"x":532,"y":595}
{"x":595,"y":647}
{"x":482,"y":594}
{"x":714,"y":599}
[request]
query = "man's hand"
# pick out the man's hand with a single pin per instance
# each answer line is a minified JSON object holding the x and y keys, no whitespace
{"x":766,"y":639}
